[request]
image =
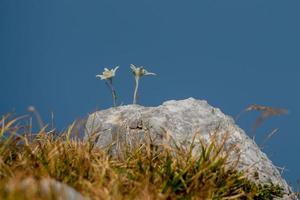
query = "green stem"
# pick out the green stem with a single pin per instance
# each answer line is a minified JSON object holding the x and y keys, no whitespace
{"x":137,"y":78}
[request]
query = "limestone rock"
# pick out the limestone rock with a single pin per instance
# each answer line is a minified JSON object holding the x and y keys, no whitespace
{"x":63,"y":191}
{"x":133,"y":124}
{"x":46,"y":188}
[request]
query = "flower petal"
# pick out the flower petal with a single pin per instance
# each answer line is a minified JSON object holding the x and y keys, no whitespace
{"x":150,"y":73}
{"x":133,"y":67}
{"x":115,"y":69}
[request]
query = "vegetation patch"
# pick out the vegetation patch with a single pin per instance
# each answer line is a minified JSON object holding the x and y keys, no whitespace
{"x":146,"y":172}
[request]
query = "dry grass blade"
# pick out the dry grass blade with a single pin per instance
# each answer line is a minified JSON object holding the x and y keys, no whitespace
{"x":37,"y":115}
{"x":7,"y":124}
{"x":266,"y":112}
{"x":269,"y":136}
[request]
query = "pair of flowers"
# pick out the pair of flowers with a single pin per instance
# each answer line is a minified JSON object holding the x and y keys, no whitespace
{"x":108,"y":75}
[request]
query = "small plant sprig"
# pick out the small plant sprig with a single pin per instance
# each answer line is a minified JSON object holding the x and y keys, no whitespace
{"x":138,"y":72}
{"x":108,"y":75}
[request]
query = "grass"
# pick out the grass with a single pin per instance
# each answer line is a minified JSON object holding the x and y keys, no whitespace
{"x":146,"y":172}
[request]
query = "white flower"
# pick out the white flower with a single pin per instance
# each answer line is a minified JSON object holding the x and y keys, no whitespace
{"x":140,"y":71}
{"x":107,"y":74}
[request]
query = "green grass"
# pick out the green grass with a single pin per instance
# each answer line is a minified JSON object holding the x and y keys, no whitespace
{"x":146,"y":172}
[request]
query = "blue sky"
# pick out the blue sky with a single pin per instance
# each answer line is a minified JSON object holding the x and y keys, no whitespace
{"x":231,"y":53}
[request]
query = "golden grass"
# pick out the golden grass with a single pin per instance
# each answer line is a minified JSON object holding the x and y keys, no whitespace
{"x":147,"y":172}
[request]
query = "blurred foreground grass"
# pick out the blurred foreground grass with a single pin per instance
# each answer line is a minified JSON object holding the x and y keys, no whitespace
{"x":146,"y":172}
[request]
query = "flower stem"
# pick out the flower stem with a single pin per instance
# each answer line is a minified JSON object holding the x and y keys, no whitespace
{"x":113,"y":91}
{"x":137,"y":79}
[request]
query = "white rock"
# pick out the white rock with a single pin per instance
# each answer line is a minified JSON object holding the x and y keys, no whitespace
{"x":132,"y":124}
{"x":51,"y":188}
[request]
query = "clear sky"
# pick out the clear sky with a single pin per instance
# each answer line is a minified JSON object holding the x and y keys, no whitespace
{"x":231,"y":53}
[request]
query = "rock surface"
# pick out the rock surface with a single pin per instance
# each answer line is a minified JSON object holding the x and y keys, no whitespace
{"x":50,"y":188}
{"x":63,"y":191}
{"x":180,"y":120}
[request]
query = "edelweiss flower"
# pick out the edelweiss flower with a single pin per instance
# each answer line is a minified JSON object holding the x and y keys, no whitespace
{"x":108,"y":74}
{"x":138,"y":72}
